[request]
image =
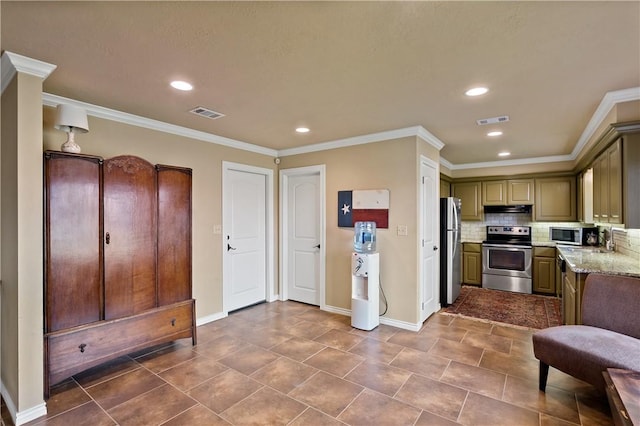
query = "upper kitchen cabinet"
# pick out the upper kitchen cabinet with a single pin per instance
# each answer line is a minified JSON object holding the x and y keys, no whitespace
{"x":555,"y":199}
{"x":520,"y":191}
{"x":508,"y":192}
{"x":616,"y":176}
{"x":445,"y":187}
{"x":607,"y":176}
{"x":470,"y":193}
{"x":494,"y":193}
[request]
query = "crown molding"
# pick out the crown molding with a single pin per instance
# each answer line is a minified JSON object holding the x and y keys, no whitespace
{"x":608,"y":101}
{"x":160,"y":126}
{"x":416,"y":131}
{"x":519,"y":162}
{"x":12,"y":63}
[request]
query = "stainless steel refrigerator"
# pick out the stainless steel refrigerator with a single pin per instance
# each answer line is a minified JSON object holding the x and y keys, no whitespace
{"x":451,"y":250}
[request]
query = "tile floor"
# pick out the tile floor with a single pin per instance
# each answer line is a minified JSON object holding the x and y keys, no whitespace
{"x":289,"y":363}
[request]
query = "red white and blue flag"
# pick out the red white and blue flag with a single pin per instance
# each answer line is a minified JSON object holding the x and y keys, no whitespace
{"x":363,"y":206}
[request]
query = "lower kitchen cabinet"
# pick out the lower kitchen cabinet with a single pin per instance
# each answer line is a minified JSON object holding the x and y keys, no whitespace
{"x":544,"y":270}
{"x":572,"y":291}
{"x":472,"y":263}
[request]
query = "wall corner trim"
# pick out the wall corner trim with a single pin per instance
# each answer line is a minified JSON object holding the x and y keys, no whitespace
{"x":11,"y":63}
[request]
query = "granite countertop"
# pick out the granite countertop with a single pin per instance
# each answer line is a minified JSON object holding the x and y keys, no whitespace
{"x":589,"y":260}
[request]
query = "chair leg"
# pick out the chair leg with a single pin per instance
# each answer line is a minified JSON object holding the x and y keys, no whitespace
{"x":544,"y":372}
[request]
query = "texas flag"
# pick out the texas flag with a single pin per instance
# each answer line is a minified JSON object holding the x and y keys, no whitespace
{"x":363,"y":206}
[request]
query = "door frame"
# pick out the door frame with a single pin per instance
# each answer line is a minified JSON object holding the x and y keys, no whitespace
{"x":285,"y":174}
{"x":228,"y":166}
{"x":421,"y":224}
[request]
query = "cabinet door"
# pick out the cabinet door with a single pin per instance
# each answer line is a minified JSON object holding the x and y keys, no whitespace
{"x":130,"y":218}
{"x":568,"y":302}
{"x":555,"y":199}
{"x":445,"y":188}
{"x":174,"y":234}
{"x":614,"y":162}
{"x":520,"y":191}
{"x":602,"y":168}
{"x":494,"y":193}
{"x":472,"y":268}
{"x":544,"y":275}
{"x":470,"y":193}
{"x":73,"y":240}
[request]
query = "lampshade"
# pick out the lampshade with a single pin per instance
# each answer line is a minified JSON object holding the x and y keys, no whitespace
{"x":70,"y":118}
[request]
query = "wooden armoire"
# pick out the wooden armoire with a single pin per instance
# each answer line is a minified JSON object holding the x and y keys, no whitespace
{"x":117,"y":259}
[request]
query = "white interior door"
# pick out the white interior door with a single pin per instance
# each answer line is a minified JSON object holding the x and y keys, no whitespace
{"x":304,"y":238}
{"x":302,"y":226}
{"x":429,"y":245}
{"x":244,"y":249}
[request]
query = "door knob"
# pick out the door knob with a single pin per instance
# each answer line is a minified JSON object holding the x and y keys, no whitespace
{"x":229,"y":248}
{"x":318,"y":246}
{"x":435,"y":248}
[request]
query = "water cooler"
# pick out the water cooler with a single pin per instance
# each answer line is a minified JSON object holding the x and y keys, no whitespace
{"x":365,"y":278}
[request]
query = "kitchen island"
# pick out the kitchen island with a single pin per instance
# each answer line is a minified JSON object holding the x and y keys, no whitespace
{"x":588,"y":260}
{"x":582,"y":261}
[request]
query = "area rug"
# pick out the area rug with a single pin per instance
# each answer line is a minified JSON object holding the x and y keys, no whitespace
{"x":524,"y":310}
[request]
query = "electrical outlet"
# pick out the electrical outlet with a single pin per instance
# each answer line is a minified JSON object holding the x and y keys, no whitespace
{"x":402,"y":231}
{"x":217,"y":229}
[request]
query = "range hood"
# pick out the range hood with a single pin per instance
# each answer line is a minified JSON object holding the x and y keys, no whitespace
{"x":508,"y":209}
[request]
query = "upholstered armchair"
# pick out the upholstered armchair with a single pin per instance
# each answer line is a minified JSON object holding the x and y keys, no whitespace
{"x":608,"y":338}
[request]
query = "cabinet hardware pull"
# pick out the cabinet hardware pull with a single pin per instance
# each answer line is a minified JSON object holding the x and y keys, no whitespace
{"x":82,"y":346}
{"x":107,"y":238}
{"x":173,"y":322}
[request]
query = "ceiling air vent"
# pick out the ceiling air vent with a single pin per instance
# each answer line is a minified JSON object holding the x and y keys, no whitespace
{"x":493,"y":120}
{"x":206,"y":113}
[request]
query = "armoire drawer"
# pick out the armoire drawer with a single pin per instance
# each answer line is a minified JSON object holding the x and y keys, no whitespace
{"x":74,"y":350}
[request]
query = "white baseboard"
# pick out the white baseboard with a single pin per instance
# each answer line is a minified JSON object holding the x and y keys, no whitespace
{"x":22,"y":417}
{"x":386,"y":321}
{"x":211,"y":318}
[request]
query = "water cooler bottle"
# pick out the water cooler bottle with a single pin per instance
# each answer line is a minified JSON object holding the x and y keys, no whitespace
{"x":365,"y":278}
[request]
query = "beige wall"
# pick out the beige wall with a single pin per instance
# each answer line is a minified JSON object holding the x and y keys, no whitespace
{"x":21,"y":236}
{"x":391,"y":165}
{"x":109,"y":139}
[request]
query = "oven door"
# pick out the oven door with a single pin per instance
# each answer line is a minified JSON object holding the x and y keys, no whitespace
{"x":506,"y":260}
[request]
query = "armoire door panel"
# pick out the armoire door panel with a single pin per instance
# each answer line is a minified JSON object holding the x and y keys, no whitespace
{"x":73,"y":250}
{"x":130,"y":227}
{"x":174,"y":234}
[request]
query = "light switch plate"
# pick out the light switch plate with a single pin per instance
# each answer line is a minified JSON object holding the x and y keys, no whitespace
{"x":217,"y":229}
{"x":402,"y":231}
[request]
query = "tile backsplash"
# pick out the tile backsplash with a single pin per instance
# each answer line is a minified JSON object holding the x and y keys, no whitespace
{"x":627,"y":241}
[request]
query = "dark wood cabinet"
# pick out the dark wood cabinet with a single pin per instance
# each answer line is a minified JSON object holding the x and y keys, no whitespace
{"x":174,"y":234}
{"x":117,"y":261}
{"x":73,"y":240}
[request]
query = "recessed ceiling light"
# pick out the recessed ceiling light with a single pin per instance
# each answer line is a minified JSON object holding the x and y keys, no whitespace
{"x":496,"y":133}
{"x":302,"y":130}
{"x":504,"y":154}
{"x":476,"y":91}
{"x":181,"y":85}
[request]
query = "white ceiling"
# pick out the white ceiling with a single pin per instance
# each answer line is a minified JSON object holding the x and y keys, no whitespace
{"x":343,"y":69}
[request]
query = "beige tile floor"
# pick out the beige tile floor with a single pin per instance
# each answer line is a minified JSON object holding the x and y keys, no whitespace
{"x":289,"y":363}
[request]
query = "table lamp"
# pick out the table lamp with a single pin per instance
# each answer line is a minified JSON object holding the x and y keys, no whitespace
{"x":71,"y":119}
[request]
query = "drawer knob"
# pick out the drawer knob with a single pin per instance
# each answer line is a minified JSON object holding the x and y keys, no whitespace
{"x":173,"y":322}
{"x":82,"y":346}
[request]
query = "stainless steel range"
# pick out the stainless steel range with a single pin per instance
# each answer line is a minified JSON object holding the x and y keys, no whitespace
{"x":506,"y":258}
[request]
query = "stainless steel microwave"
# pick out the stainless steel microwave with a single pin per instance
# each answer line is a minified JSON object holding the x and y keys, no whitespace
{"x":577,"y":236}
